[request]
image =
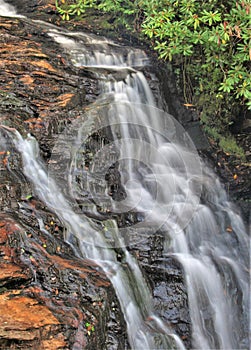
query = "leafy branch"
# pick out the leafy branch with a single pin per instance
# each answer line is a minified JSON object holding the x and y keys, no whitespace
{"x":76,"y":8}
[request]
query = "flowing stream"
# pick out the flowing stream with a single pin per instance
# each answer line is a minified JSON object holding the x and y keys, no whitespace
{"x":166,"y":186}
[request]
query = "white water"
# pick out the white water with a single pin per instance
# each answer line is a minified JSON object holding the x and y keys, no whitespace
{"x":135,"y":302}
{"x":7,"y":10}
{"x":164,"y":180}
{"x":176,"y":195}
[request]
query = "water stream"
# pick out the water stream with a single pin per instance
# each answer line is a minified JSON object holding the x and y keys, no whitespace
{"x":166,"y":186}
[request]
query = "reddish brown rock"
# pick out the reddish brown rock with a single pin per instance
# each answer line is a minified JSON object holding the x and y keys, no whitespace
{"x":49,"y":299}
{"x":24,"y":317}
{"x":47,"y":295}
{"x":38,"y":86}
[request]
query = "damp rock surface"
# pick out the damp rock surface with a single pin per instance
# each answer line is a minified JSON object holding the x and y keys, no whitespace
{"x":41,"y":94}
{"x":49,"y":298}
{"x":234,"y":174}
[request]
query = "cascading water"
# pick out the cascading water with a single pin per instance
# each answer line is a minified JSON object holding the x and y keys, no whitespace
{"x":7,"y":10}
{"x":165,"y":184}
{"x":176,"y":195}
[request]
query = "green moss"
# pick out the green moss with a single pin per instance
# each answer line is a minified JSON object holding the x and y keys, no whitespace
{"x":229,"y":145}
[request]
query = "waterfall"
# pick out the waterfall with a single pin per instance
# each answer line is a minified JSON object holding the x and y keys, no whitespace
{"x":166,"y":184}
{"x":166,"y":180}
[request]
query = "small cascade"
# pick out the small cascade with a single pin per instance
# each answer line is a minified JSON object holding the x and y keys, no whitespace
{"x":166,"y":186}
{"x":8,"y":10}
{"x":126,"y":277}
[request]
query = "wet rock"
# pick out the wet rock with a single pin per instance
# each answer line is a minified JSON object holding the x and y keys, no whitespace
{"x":166,"y":279}
{"x":34,"y":7}
{"x":42,"y":94}
{"x":49,"y":298}
{"x":25,"y":318}
{"x":37,"y":87}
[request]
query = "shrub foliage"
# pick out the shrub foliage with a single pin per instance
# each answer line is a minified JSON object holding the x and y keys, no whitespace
{"x":208,"y":42}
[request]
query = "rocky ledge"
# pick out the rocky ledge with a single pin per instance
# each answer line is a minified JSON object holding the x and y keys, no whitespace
{"x":49,"y":299}
{"x":52,"y":299}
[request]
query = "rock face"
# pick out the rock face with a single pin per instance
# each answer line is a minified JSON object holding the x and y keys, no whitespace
{"x":55,"y":300}
{"x":49,"y":299}
{"x":226,"y":165}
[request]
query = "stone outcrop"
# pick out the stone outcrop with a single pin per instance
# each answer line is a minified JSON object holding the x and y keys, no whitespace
{"x":41,"y":93}
{"x":49,"y":299}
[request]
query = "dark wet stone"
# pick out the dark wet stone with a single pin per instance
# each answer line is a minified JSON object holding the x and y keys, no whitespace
{"x":71,"y":292}
{"x":166,"y":278}
{"x":40,"y":95}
